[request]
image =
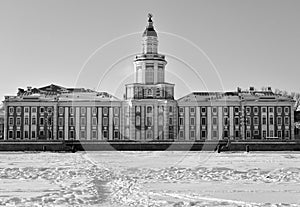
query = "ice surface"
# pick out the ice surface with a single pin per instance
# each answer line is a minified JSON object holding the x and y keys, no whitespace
{"x":168,"y":178}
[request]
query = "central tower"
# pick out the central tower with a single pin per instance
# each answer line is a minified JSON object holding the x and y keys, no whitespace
{"x":150,"y":111}
{"x":149,"y":69}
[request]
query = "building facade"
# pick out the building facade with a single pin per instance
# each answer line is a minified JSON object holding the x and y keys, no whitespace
{"x":148,"y":111}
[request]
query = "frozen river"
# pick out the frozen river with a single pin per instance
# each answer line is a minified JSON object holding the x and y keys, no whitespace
{"x":150,"y":179}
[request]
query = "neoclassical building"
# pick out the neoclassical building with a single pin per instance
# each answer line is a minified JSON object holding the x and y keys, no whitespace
{"x":148,"y":111}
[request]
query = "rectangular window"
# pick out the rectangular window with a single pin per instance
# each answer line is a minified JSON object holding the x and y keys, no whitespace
{"x":116,"y":121}
{"x":18,"y":121}
{"x":94,"y":121}
{"x":226,"y":121}
{"x":60,"y":110}
{"x":214,"y":110}
{"x":149,"y":121}
{"x":41,"y":133}
{"x":26,"y":134}
{"x":105,"y":110}
{"x":181,"y":121}
{"x":256,"y":132}
{"x":94,"y":134}
{"x":94,"y":110}
{"x":286,"y":133}
{"x":264,"y":133}
{"x":72,"y":134}
{"x":255,"y":120}
{"x":42,"y":109}
{"x":33,"y":134}
{"x":41,"y":121}
{"x":137,"y":109}
{"x":181,"y":110}
{"x":60,"y":121}
{"x":170,"y":121}
{"x":181,"y":134}
{"x":203,"y":134}
{"x":33,"y":121}
{"x":236,"y":121}
{"x":236,"y":110}
{"x":214,"y":134}
{"x":49,"y":109}
{"x":248,"y":120}
{"x":225,"y":134}
{"x":10,"y":134}
{"x":271,"y":133}
{"x":82,"y":110}
{"x":248,"y":134}
{"x":192,"y":121}
{"x":279,"y":120}
{"x":105,"y":134}
{"x":170,"y":109}
{"x":203,"y":110}
{"x":214,"y":120}
{"x":264,"y":110}
{"x":264,"y":120}
{"x":225,"y":110}
{"x":49,"y":121}
{"x":26,"y":120}
{"x":203,"y":121}
{"x":82,"y":134}
{"x":286,"y":120}
{"x":192,"y":110}
{"x":248,"y":110}
{"x":19,"y":110}
{"x":116,"y":134}
{"x":271,"y":120}
{"x":192,"y":133}
{"x":11,"y":121}
{"x":105,"y":121}
{"x":271,"y":110}
{"x":33,"y":110}
{"x":255,"y":110}
{"x":138,"y":121}
{"x":26,"y":109}
{"x":116,"y":111}
{"x":18,"y":135}
{"x":82,"y":121}
{"x":11,"y":110}
{"x":286,"y":110}
{"x":279,"y":134}
{"x":279,"y":110}
{"x":237,"y":134}
{"x":71,"y":121}
{"x":49,"y":134}
{"x":60,"y":134}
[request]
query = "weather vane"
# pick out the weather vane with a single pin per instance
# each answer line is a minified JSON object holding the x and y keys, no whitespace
{"x":150,"y":16}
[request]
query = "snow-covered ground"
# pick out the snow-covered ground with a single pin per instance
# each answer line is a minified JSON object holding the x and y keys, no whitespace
{"x":150,"y":179}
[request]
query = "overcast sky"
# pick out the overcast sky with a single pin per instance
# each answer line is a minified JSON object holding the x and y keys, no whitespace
{"x":209,"y":45}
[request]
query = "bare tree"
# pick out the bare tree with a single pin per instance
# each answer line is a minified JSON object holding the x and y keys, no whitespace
{"x":296,"y":97}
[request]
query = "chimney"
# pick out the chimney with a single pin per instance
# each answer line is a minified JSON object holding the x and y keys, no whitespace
{"x":251,"y":89}
{"x":29,"y":88}
{"x":269,"y":89}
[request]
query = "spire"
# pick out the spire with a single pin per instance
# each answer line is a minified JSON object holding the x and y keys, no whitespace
{"x":149,"y":31}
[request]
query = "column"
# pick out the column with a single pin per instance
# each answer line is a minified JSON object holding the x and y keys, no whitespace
{"x":100,"y":123}
{"x":209,"y":123}
{"x":142,"y":122}
{"x":77,"y":127}
{"x":198,"y":124}
{"x":231,"y":122}
{"x":187,"y":123}
{"x":66,"y":123}
{"x":110,"y":123}
{"x":220,"y":127}
{"x":155,"y":121}
{"x":5,"y":121}
{"x":88,"y":123}
{"x":54,"y":133}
